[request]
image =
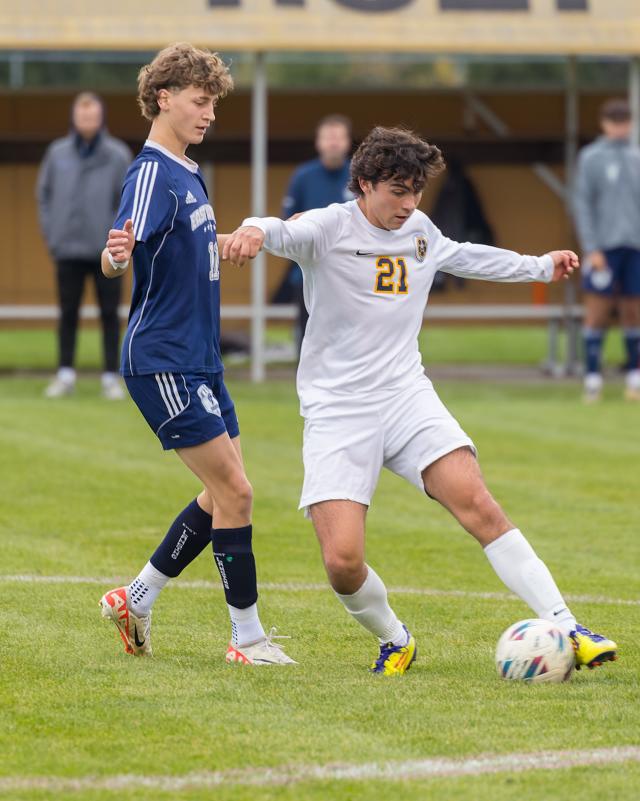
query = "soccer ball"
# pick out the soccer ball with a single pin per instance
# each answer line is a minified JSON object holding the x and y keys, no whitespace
{"x":534,"y":651}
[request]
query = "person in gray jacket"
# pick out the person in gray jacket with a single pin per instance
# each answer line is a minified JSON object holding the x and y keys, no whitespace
{"x":607,"y":214}
{"x":78,"y":193}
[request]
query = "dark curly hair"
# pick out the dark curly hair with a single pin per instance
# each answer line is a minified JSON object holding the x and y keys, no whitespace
{"x":394,"y":153}
{"x":176,"y":67}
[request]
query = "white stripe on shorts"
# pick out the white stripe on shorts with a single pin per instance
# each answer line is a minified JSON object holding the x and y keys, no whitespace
{"x":175,"y":405}
{"x":175,"y":392}
{"x":163,"y":393}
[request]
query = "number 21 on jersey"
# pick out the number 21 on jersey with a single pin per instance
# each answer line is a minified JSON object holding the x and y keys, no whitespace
{"x":391,"y":278}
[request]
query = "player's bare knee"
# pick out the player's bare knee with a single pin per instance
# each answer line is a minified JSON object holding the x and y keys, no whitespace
{"x":486,"y":507}
{"x":488,"y":521}
{"x":242,"y":492}
{"x":344,"y":570}
{"x":233,"y":497}
{"x":244,"y":489}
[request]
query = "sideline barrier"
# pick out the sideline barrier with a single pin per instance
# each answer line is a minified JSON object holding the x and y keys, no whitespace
{"x":557,"y":316}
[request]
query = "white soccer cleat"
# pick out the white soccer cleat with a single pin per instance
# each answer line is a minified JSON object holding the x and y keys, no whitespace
{"x":263,"y":652}
{"x":112,"y":388}
{"x":632,"y":388}
{"x":59,"y":388}
{"x":135,"y":631}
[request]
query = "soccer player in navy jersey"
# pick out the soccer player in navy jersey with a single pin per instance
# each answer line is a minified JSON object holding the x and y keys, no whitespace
{"x":171,"y":354}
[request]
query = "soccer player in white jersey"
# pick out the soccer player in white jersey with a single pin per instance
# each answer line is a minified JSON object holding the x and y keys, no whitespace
{"x":171,"y":354}
{"x":368,"y":266}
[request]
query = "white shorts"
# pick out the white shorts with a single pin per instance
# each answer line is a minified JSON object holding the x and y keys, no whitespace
{"x":347,"y":444}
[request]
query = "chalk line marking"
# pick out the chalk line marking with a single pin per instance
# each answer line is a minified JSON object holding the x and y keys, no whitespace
{"x":199,"y":584}
{"x":368,"y":771}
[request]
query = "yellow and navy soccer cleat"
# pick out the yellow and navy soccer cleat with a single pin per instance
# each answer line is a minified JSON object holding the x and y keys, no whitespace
{"x":394,"y":660}
{"x":592,"y":649}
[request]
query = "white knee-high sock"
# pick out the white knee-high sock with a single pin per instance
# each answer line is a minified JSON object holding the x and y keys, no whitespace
{"x":145,"y":588}
{"x":369,"y":606}
{"x":517,"y":564}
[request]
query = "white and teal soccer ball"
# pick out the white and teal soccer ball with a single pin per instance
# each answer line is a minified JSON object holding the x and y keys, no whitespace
{"x":534,"y":651}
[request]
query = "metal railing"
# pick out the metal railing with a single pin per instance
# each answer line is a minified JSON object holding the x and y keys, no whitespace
{"x":558,"y":317}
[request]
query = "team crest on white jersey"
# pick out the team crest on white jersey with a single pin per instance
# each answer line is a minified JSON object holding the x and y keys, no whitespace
{"x":208,"y":400}
{"x":421,"y":248}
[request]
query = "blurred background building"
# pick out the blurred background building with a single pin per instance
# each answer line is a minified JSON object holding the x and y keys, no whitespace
{"x":509,"y":89}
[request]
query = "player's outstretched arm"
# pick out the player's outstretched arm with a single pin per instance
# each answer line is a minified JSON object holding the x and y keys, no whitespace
{"x":564,"y":263}
{"x":117,"y":254}
{"x":486,"y":263}
{"x":304,"y":239}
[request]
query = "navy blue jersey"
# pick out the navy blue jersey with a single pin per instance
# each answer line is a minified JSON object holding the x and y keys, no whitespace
{"x":174,"y":322}
{"x":313,"y":186}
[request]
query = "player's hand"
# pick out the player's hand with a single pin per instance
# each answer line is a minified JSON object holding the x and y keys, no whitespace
{"x":597,"y":260}
{"x":243,"y":244}
{"x":564,"y":263}
{"x":120,"y":244}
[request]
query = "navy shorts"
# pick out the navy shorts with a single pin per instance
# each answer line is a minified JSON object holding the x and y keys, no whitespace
{"x":622,"y":276}
{"x":184,"y":409}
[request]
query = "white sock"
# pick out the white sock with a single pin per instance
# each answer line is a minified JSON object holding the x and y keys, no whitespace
{"x":369,"y":606}
{"x":246,"y":627}
{"x":633,"y":379}
{"x":110,"y":378}
{"x":67,"y":375}
{"x":516,"y":563}
{"x":145,"y":588}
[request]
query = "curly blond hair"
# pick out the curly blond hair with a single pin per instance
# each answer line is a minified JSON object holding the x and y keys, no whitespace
{"x":176,"y":67}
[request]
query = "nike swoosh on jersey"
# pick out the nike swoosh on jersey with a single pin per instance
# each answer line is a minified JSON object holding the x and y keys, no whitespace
{"x":364,"y":253}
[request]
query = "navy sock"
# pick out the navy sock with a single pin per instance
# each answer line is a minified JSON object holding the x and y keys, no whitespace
{"x":593,"y":338}
{"x":632,"y":345}
{"x":234,"y":558}
{"x":189,"y":535}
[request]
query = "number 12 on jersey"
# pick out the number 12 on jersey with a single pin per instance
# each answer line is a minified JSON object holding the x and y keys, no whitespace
{"x":391,"y":278}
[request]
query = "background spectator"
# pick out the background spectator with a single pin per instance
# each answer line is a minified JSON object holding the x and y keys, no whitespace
{"x":78,"y":193}
{"x":315,"y":184}
{"x":607,"y":215}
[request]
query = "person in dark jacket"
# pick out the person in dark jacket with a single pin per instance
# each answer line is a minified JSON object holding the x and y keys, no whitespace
{"x":314,"y":185}
{"x":78,"y":193}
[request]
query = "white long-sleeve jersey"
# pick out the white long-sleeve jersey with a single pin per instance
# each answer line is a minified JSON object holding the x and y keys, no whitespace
{"x":366,"y":289}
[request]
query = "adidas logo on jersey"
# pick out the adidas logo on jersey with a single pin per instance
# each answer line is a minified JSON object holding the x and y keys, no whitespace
{"x":190,"y":198}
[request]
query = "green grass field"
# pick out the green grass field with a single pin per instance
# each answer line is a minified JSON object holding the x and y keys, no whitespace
{"x":474,"y":344}
{"x":87,"y":493}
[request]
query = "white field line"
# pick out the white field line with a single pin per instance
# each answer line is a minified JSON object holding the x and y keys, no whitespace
{"x":368,"y":771}
{"x":199,"y":584}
